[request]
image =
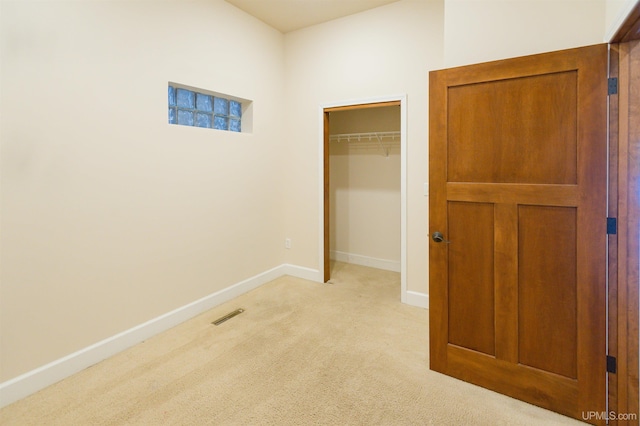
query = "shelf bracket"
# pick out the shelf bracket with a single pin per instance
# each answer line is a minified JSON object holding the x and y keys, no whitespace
{"x":384,"y":149}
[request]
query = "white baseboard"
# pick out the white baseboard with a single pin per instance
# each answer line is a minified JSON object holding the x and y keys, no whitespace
{"x":358,"y":259}
{"x":414,"y":298}
{"x":302,"y":272}
{"x":35,"y":380}
{"x":32,"y":381}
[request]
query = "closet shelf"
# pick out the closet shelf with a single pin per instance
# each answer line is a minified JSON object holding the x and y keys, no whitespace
{"x":366,"y":137}
{"x":377,"y":139}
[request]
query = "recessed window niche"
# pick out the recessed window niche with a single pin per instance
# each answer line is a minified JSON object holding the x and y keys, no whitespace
{"x":195,"y":107}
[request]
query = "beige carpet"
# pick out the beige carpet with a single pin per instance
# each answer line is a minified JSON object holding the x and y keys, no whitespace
{"x":302,"y":353}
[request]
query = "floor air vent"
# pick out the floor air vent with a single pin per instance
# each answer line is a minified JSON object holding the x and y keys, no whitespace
{"x":228,"y":316}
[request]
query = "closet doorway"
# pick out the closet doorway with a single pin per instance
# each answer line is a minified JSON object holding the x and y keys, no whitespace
{"x":364,"y":174}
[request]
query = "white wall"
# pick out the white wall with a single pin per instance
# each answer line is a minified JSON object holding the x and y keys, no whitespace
{"x":616,"y":13}
{"x":365,"y":189}
{"x":486,"y":30}
{"x":110,"y":216}
{"x":382,"y":52}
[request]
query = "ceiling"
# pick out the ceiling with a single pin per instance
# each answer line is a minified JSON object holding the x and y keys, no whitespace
{"x":291,"y":15}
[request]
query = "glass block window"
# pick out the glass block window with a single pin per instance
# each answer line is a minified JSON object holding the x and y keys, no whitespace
{"x":193,"y":108}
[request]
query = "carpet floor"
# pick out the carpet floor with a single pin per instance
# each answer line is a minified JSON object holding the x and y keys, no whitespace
{"x":302,"y":353}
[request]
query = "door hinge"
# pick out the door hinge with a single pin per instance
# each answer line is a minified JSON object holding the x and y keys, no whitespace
{"x":611,"y":364}
{"x":612,"y":226}
{"x":613,"y":86}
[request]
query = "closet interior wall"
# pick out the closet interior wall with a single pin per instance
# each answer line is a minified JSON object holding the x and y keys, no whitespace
{"x":364,"y":162}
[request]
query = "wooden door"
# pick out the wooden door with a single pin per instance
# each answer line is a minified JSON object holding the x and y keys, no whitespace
{"x":518,"y":158}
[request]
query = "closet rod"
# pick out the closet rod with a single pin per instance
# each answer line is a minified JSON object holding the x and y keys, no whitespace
{"x":365,"y":137}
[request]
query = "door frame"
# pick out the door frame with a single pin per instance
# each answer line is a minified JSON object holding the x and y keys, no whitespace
{"x":624,"y":262}
{"x":624,"y":310}
{"x":323,"y":182}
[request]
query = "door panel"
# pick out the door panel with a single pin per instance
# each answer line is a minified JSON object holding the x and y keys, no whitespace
{"x":518,"y":186}
{"x":547,"y":288}
{"x":520,"y":147}
{"x":471,"y":289}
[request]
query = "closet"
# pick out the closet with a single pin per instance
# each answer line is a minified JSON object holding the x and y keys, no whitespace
{"x":364,"y":187}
